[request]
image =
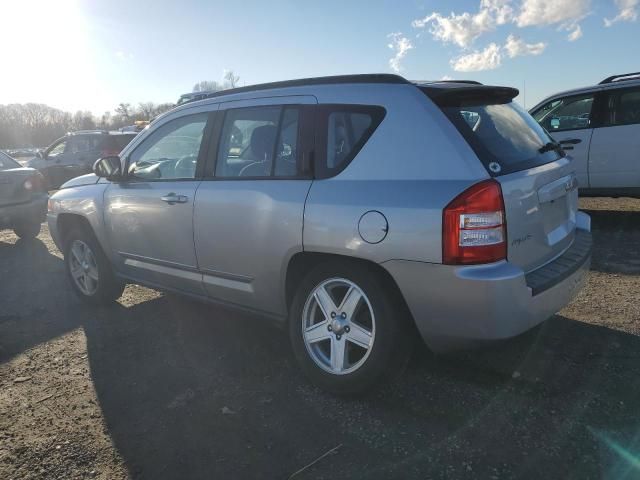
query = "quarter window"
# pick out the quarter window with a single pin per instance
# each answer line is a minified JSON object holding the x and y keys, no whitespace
{"x":623,"y":107}
{"x":259,"y":142}
{"x":344,"y":130}
{"x":171,"y":152}
{"x":570,"y":113}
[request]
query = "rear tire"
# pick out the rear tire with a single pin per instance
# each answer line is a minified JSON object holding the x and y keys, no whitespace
{"x":89,"y":270}
{"x":362,"y":342}
{"x":27,"y":230}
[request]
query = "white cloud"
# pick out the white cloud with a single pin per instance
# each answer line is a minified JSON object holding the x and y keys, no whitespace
{"x":400,"y":45}
{"x":516,"y":47}
{"x":488,"y":59}
{"x":575,"y":34}
{"x":627,"y":12}
{"x":446,"y":78}
{"x":552,"y":12}
{"x":124,"y":56}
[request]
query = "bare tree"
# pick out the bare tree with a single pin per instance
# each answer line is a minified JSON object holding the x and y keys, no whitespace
{"x":147,"y":110}
{"x":231,"y":79}
{"x":206,"y":86}
{"x":123,"y":109}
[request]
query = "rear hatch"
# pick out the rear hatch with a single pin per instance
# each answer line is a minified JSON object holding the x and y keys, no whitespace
{"x":537,"y":179}
{"x":12,"y":189}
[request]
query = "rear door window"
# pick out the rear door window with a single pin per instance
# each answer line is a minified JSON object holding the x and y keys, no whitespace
{"x":503,"y":135}
{"x":342,"y":132}
{"x":569,"y":113}
{"x":623,"y":107}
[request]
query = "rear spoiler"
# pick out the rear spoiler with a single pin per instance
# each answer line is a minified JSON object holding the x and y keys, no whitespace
{"x":461,"y":95}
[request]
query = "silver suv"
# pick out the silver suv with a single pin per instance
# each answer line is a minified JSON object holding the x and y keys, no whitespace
{"x":356,"y":210}
{"x":600,"y":127}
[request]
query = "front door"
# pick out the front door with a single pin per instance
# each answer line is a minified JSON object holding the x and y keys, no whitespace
{"x":149,"y":215}
{"x":249,"y":214}
{"x":614,"y":160}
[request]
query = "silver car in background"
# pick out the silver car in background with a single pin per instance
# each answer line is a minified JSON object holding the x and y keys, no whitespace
{"x":355,"y":210}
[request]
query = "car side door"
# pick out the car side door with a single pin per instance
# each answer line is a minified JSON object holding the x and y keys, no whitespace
{"x":614,"y":160}
{"x":55,"y":160}
{"x":569,"y":121}
{"x":149,"y":214}
{"x":249,"y":208}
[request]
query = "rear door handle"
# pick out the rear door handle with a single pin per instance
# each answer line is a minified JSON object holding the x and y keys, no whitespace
{"x":172,"y":198}
{"x":570,"y":141}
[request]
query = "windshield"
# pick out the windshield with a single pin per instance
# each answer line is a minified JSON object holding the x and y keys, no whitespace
{"x":504,"y":136}
{"x":6,"y":162}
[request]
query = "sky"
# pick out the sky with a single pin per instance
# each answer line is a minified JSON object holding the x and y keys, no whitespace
{"x":94,"y":54}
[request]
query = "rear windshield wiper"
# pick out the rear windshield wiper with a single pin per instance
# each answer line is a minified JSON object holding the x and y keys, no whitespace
{"x":547,"y":147}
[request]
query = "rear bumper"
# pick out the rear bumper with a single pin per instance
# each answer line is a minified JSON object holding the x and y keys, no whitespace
{"x":32,"y":211}
{"x":456,"y":307}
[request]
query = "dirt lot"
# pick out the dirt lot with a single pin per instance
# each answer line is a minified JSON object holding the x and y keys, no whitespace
{"x":163,"y":387}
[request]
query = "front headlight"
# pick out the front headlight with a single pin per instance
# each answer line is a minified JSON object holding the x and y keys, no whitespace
{"x":53,"y":205}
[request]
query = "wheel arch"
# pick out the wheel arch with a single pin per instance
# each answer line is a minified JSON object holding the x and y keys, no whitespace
{"x":302,"y":262}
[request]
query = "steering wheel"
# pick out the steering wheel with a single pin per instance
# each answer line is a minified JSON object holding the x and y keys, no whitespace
{"x":187,"y":165}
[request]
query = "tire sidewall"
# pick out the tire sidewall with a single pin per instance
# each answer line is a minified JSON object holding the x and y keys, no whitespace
{"x":27,"y":231}
{"x":387,"y":356}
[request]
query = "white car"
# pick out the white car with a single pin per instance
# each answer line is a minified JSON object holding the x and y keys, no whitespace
{"x":599,"y":127}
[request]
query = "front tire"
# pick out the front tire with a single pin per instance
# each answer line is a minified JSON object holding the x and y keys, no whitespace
{"x":27,"y":230}
{"x":348,"y":329}
{"x":89,"y":270}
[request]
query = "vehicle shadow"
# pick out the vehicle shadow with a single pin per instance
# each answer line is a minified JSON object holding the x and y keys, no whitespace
{"x":191,"y":391}
{"x":616,"y":241}
{"x":31,"y":277}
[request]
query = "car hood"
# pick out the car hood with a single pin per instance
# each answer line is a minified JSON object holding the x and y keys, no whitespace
{"x":88,"y":179}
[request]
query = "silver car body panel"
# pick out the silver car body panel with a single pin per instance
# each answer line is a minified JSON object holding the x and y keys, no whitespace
{"x":237,"y":237}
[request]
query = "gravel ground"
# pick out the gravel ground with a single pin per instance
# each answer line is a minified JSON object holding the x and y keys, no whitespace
{"x":163,"y":387}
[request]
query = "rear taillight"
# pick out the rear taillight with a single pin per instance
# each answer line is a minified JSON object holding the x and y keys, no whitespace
{"x":473,"y":226}
{"x":34,"y":183}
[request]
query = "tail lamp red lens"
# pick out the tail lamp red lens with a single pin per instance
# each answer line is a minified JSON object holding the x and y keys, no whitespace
{"x":474,"y":226}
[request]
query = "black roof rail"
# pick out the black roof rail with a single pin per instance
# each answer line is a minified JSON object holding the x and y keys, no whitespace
{"x":470,"y":82}
{"x":614,"y":78}
{"x":303,"y":82}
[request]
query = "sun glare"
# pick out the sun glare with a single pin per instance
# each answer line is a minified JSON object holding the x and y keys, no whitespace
{"x":36,"y":38}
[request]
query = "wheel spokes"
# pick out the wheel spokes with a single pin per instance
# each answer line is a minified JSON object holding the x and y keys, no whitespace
{"x":325,"y":302}
{"x":350,"y":302}
{"x":359,"y":336}
{"x":338,"y":354}
{"x":317,"y":332}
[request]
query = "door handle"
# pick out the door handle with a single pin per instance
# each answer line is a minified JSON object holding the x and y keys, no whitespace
{"x":172,"y":198}
{"x":570,"y":141}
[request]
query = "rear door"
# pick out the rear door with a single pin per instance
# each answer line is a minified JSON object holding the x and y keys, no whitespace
{"x":614,"y":160}
{"x":569,"y":121}
{"x":249,"y":208}
{"x":538,"y":182}
{"x":149,"y":215}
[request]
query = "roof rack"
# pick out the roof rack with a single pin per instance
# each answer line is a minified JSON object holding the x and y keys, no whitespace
{"x":470,"y":82}
{"x":303,"y":82}
{"x":617,"y":78}
{"x":88,"y":131}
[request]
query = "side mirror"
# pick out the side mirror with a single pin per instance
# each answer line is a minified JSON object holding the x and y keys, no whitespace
{"x":108,"y":167}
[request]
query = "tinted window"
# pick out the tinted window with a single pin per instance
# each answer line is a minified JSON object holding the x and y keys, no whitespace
{"x":117,"y":142}
{"x":623,"y":107}
{"x":57,"y":149}
{"x":502,"y":134}
{"x":7,"y":162}
{"x":568,"y":113}
{"x":259,"y":142}
{"x":344,"y":130}
{"x":171,"y":152}
{"x":83,"y":143}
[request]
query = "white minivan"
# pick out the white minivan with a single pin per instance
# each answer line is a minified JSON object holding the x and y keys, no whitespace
{"x":599,"y":127}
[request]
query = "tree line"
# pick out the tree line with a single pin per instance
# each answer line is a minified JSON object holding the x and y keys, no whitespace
{"x":37,"y":125}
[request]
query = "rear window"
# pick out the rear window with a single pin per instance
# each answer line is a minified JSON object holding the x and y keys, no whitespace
{"x":117,"y":142}
{"x":503,"y":135}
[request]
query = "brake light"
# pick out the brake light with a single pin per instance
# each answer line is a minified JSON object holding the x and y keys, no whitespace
{"x":34,"y":183}
{"x":474,"y":227}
